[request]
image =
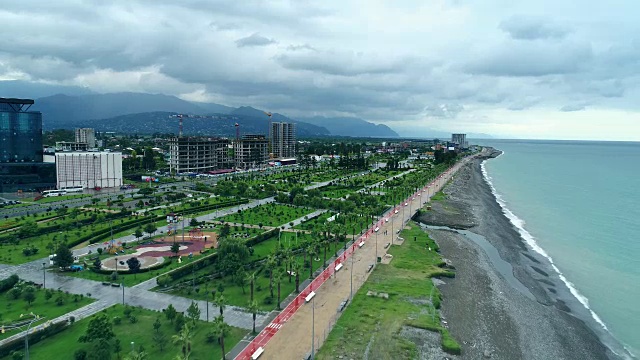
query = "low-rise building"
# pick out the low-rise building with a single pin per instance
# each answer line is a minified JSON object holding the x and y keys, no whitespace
{"x":88,"y":169}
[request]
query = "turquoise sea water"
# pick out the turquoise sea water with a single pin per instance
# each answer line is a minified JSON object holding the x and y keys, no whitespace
{"x":579,"y":202}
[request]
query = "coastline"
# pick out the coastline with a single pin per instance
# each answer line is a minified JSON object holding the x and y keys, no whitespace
{"x":507,"y":300}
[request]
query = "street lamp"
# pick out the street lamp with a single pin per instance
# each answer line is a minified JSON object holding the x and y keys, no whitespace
{"x":44,"y":276}
{"x":132,"y":346}
{"x":313,"y":326}
{"x":26,"y":337}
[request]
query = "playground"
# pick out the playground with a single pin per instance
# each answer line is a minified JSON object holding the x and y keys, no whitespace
{"x":153,"y":253}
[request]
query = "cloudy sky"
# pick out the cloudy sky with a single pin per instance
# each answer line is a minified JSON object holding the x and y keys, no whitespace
{"x":555,"y":69}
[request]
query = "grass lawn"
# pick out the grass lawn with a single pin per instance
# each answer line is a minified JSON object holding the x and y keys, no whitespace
{"x":315,"y":222}
{"x":439,"y":196}
{"x":337,"y":192}
{"x":65,"y":343}
{"x":10,"y":308}
{"x":269,"y":215}
{"x":375,"y":322}
{"x":61,"y":198}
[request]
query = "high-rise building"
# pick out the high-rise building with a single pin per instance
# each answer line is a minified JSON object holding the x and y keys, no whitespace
{"x":20,"y":132}
{"x":21,"y":153}
{"x":87,"y":136}
{"x":460,"y":140}
{"x":88,"y":169}
{"x":251,"y":151}
{"x":198,"y":155}
{"x":283,"y":140}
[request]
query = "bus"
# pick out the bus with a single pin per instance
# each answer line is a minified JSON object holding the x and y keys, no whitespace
{"x":50,"y":193}
{"x":73,"y":189}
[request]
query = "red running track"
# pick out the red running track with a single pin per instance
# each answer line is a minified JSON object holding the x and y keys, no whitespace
{"x":270,"y":330}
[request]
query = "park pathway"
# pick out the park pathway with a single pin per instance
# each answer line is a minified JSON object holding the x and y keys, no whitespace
{"x":140,"y":294}
{"x":290,"y":332}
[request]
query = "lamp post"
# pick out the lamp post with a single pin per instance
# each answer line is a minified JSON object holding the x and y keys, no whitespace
{"x":44,"y":276}
{"x":313,"y":326}
{"x":132,"y":346}
{"x":123,"y":291}
{"x":116,"y":259}
{"x":26,"y":337}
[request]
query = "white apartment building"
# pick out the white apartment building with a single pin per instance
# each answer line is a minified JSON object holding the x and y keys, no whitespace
{"x":88,"y":169}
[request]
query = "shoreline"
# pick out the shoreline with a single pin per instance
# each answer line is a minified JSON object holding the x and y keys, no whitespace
{"x":489,"y":314}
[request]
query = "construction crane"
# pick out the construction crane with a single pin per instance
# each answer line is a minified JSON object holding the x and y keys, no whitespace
{"x":270,"y":135}
{"x":182,"y":116}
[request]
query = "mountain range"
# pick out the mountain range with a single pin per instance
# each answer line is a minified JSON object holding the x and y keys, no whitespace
{"x":72,"y":106}
{"x":150,"y":113}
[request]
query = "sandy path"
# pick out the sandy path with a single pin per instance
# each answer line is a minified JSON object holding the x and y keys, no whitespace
{"x":293,"y":340}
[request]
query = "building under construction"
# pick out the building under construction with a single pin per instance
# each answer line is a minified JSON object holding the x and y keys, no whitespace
{"x":198,"y":155}
{"x":251,"y":151}
{"x":283,"y":140}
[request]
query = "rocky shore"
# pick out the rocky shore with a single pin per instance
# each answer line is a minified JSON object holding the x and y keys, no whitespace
{"x":486,"y":312}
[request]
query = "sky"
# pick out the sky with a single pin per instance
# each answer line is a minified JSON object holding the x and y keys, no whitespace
{"x":546,"y":69}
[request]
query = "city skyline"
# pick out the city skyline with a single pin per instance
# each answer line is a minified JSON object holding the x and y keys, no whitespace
{"x":544,"y":70}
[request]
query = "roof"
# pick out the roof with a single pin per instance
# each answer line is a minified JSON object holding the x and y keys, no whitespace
{"x":16,"y":101}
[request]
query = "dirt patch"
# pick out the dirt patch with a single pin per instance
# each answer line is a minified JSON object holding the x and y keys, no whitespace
{"x":427,"y":342}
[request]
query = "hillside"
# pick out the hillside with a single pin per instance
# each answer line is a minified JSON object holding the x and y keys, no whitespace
{"x":351,"y":126}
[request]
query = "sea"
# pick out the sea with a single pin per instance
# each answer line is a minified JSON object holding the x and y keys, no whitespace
{"x":578,"y":204}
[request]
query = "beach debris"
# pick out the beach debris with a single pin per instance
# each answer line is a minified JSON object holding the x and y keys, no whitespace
{"x":487,"y":354}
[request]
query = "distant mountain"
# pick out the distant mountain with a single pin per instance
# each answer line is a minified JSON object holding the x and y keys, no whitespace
{"x":211,"y":108}
{"x":31,"y":90}
{"x":161,"y":122}
{"x":303,"y":129}
{"x":351,"y":126}
{"x":58,"y":110}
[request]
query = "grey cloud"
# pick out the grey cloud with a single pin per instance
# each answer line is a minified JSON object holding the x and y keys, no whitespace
{"x":301,"y":47}
{"x":443,"y":110}
{"x":340,"y":63}
{"x":532,"y":28}
{"x":523,"y":60}
{"x":254,"y":39}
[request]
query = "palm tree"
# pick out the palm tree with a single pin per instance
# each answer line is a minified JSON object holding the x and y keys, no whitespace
{"x":271,"y":265}
{"x":220,"y":302}
{"x":297,"y":267}
{"x":253,"y":309}
{"x":221,"y":329}
{"x":325,"y":245}
{"x":183,"y":338}
{"x":312,"y":253}
{"x":251,"y":278}
{"x":278,"y":280}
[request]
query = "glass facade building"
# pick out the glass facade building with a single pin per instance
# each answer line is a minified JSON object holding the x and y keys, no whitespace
{"x":20,"y":135}
{"x":21,"y":153}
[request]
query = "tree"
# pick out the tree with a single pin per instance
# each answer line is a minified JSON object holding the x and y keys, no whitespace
{"x":278,"y":279}
{"x":253,"y":309}
{"x":183,"y":339}
{"x":170,"y":312}
{"x":97,"y":265}
{"x":225,"y":231}
{"x":221,"y":329}
{"x":99,"y":328}
{"x":220,"y":302}
{"x":193,"y":312}
{"x":134,"y":265}
{"x":296,"y":268}
{"x":117,"y":347}
{"x":270,"y":265}
{"x":194,"y":222}
{"x":175,"y":249}
{"x":64,"y":257}
{"x":251,"y":278}
{"x":29,"y":294}
{"x":138,"y":233}
{"x":157,"y":325}
{"x":150,"y":229}
{"x":160,"y":339}
{"x":137,"y":355}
